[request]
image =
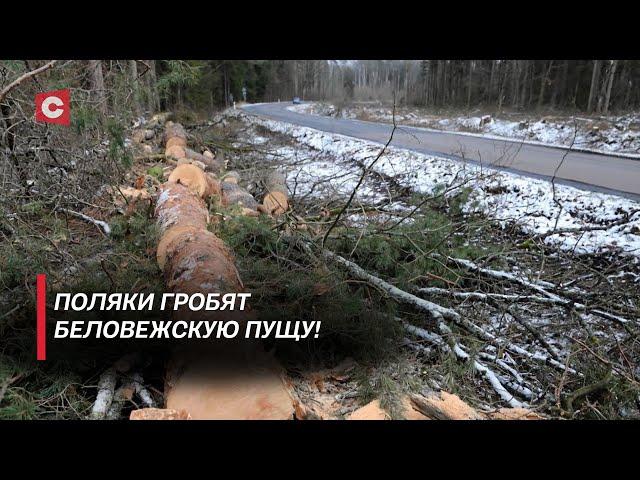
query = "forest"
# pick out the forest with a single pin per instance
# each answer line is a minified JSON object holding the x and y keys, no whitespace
{"x":591,"y":86}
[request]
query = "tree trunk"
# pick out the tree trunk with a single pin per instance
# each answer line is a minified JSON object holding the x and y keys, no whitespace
{"x":135,"y":88}
{"x":543,"y":84}
{"x":97,"y":85}
{"x":595,"y":76}
{"x":469,"y":80}
{"x":610,"y":78}
{"x":153,"y":100}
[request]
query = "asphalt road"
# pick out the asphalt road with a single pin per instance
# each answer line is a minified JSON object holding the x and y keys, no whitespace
{"x":607,"y":173}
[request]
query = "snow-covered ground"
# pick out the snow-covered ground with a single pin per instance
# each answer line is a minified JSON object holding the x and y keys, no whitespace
{"x":611,"y":134}
{"x":508,"y":198}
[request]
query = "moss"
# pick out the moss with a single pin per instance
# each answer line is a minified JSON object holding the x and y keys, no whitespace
{"x":156,"y":172}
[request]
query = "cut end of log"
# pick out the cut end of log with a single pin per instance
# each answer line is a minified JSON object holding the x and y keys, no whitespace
{"x":234,"y":385}
{"x":371,"y":411}
{"x":234,"y":194}
{"x":159,"y":414}
{"x":177,"y":152}
{"x":275,"y":203}
{"x":192,"y":177}
{"x":231,"y":177}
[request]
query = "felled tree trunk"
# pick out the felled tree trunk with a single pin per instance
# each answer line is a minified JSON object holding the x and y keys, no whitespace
{"x":276,"y":201}
{"x":193,"y":259}
{"x":175,"y":137}
{"x":234,"y":194}
{"x":220,"y":379}
{"x":212,"y":164}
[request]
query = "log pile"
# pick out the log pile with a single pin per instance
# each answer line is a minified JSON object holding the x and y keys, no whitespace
{"x":239,"y":381}
{"x":222,"y":380}
{"x":192,"y":258}
{"x":175,"y":137}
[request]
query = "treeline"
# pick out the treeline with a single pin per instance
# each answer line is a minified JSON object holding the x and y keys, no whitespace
{"x":600,"y":86}
{"x":592,"y":86}
{"x":130,"y":87}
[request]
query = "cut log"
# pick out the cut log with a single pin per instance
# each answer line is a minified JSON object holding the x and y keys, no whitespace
{"x":172,"y":238}
{"x":234,"y":194}
{"x":159,"y":119}
{"x":187,"y":161}
{"x":223,"y":381}
{"x":179,"y":141}
{"x":177,"y":205}
{"x":212,"y":164}
{"x":200,"y":262}
{"x":140,"y":135}
{"x":194,"y":178}
{"x":231,"y":177}
{"x":275,"y":182}
{"x":239,"y":383}
{"x":172,"y":129}
{"x":276,"y":201}
{"x":176,"y":152}
{"x":371,"y":411}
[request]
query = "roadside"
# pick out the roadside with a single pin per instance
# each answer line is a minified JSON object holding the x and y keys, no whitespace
{"x":619,"y":135}
{"x":569,"y":218}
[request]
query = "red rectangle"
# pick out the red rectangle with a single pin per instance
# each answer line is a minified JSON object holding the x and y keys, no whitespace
{"x":41,"y":314}
{"x":54,"y":107}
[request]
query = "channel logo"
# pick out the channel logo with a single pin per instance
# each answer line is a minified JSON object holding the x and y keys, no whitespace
{"x":54,"y":107}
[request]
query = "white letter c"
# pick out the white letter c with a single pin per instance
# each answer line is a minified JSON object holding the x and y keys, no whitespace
{"x":47,"y":111}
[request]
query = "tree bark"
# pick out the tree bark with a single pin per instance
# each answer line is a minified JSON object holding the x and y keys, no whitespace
{"x":135,"y":87}
{"x":610,"y":77}
{"x":97,"y":86}
{"x":543,"y":84}
{"x":595,"y":76}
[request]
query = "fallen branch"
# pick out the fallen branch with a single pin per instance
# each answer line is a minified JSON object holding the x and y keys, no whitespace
{"x":142,"y":392}
{"x":459,"y":352}
{"x":103,"y":226}
{"x":439,"y":312}
{"x":106,"y":388}
{"x":500,"y":275}
{"x":548,"y":298}
{"x":627,"y":217}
